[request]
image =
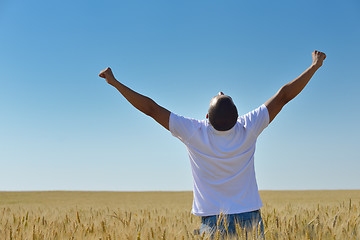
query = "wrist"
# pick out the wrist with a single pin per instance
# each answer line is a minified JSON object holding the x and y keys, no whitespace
{"x":316,"y":66}
{"x":112,"y":81}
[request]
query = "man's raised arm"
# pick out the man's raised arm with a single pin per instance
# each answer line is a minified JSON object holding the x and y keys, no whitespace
{"x":293,"y":88}
{"x":140,"y":102}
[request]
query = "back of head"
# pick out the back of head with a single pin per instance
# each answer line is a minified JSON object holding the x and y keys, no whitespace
{"x":222,"y":113}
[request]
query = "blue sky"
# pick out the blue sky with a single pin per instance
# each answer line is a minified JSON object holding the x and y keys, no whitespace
{"x":64,"y":128}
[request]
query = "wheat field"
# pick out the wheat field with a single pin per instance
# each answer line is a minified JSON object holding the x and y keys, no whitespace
{"x":166,"y":215}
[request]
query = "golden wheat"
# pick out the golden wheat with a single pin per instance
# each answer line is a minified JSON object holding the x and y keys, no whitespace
{"x":166,"y":215}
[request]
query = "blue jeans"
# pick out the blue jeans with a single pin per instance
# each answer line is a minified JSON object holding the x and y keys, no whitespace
{"x":239,"y":224}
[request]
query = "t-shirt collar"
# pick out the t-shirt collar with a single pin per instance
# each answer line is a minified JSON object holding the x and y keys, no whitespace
{"x":217,"y":132}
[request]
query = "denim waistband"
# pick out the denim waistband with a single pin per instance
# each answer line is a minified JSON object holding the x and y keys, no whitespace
{"x":203,"y":218}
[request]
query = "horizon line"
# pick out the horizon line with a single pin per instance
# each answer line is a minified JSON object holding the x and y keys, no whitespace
{"x":135,"y":191}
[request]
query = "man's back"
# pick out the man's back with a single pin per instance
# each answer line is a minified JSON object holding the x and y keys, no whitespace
{"x":222,"y":162}
{"x":222,"y":165}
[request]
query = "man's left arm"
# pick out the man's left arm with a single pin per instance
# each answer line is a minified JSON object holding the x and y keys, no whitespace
{"x":144,"y":104}
{"x":293,"y":88}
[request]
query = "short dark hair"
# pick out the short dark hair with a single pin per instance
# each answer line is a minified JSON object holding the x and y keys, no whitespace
{"x":222,"y":113}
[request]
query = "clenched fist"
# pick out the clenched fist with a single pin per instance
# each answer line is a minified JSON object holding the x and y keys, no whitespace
{"x":318,"y":58}
{"x":108,"y":75}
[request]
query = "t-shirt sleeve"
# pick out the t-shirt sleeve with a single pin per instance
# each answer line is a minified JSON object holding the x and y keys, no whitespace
{"x":257,"y":120}
{"x":182,"y":127}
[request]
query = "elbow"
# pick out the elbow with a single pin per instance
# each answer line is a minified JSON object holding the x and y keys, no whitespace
{"x":284,"y":95}
{"x":150,"y":109}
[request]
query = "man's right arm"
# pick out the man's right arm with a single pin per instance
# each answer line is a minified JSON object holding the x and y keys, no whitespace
{"x":144,"y":104}
{"x":293,"y":88}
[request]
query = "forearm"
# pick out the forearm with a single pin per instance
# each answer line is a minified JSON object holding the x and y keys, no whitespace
{"x":140,"y":102}
{"x":293,"y":88}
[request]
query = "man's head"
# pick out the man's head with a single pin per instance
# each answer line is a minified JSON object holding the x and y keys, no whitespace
{"x":222,"y":112}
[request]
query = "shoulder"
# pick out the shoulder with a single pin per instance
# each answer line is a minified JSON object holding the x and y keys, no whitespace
{"x":261,"y":111}
{"x":257,"y":116}
{"x":176,"y":118}
{"x":183,"y":127}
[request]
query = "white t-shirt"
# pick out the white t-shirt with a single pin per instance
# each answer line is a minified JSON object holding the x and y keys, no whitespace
{"x":222,"y":162}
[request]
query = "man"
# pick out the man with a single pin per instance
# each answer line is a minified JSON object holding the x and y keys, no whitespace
{"x":221,"y":151}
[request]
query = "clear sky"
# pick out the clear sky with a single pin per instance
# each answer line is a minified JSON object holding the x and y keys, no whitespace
{"x":64,"y":128}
